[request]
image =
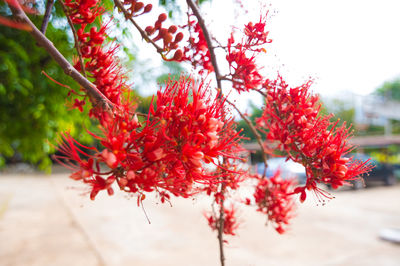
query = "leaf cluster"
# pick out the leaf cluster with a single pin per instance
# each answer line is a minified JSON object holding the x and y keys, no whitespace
{"x":32,"y":108}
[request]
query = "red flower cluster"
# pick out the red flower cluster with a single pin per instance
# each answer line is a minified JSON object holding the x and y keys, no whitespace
{"x":230,"y":175}
{"x":242,"y":56}
{"x":291,"y":117}
{"x":167,"y":153}
{"x":230,"y":222}
{"x":84,"y":11}
{"x":99,"y":61}
{"x":186,"y":129}
{"x":244,"y":71}
{"x":197,"y":52}
{"x":273,"y":197}
{"x":256,"y":35}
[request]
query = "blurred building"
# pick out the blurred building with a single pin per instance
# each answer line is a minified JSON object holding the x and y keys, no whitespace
{"x":376,"y":110}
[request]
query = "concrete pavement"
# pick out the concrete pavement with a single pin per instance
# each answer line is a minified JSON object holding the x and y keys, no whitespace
{"x":50,"y":220}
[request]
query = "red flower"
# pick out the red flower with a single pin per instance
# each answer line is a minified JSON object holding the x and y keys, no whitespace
{"x":256,"y":35}
{"x":197,"y":52}
{"x":244,"y":71}
{"x":72,"y":153}
{"x":83,"y":11}
{"x":273,"y":197}
{"x":98,"y":62}
{"x":291,"y":117}
{"x":230,"y":222}
{"x":166,"y":153}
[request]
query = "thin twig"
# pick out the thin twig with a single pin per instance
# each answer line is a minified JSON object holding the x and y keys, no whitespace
{"x":206,"y":34}
{"x":97,"y":98}
{"x":47,"y":14}
{"x":77,"y":46}
{"x":221,"y":223}
{"x":142,"y":32}
{"x":261,"y":92}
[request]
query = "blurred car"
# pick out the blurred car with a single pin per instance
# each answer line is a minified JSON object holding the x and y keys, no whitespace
{"x":381,"y":172}
{"x":288,"y":169}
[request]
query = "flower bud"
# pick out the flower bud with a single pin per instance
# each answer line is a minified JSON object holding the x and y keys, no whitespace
{"x":178,"y":37}
{"x":149,"y":30}
{"x":130,"y":175}
{"x":167,"y":38}
{"x":162,"y":17}
{"x":138,"y":7}
{"x":122,"y":182}
{"x":178,"y":55}
{"x":148,"y":8}
{"x":172,"y":29}
{"x":157,"y":25}
{"x":163,"y":32}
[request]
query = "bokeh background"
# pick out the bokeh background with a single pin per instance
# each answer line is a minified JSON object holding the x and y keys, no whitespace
{"x":351,"y":51}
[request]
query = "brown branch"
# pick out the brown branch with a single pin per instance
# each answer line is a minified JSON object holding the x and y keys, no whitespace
{"x":141,"y":31}
{"x":97,"y":98}
{"x":261,"y":92}
{"x":226,"y":77}
{"x":47,"y":14}
{"x":221,"y":222}
{"x":206,"y":34}
{"x":77,"y":46}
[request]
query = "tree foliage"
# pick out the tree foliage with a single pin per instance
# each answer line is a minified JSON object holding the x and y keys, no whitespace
{"x":32,"y":107}
{"x":246,"y":131}
{"x":390,"y":89}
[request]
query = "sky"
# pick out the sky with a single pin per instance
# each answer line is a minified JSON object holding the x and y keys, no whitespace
{"x":344,"y":45}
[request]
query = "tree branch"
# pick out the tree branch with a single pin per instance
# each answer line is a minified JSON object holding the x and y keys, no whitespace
{"x":142,"y":32}
{"x":97,"y":98}
{"x":77,"y":46}
{"x":47,"y":14}
{"x":221,"y":222}
{"x":206,"y":34}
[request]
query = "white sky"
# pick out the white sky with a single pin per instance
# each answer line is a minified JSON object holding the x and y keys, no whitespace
{"x":345,"y":45}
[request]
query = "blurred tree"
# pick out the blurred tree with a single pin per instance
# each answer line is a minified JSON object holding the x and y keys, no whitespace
{"x":32,"y":108}
{"x":342,"y":111}
{"x":242,"y":125}
{"x":390,"y":90}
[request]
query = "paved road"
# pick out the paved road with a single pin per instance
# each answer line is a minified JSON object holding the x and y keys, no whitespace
{"x":45,"y":220}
